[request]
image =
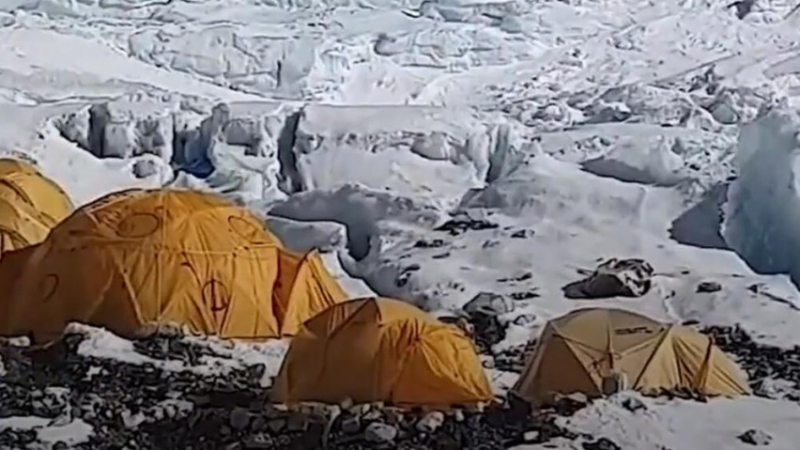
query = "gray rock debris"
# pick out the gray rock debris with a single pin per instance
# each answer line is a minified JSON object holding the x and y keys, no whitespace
{"x":755,"y":437}
{"x":615,"y":277}
{"x":380,"y":433}
{"x":489,"y":304}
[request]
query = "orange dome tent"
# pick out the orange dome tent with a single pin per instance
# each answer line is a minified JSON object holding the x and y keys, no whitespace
{"x":22,"y":182}
{"x":142,"y":257}
{"x":377,"y":349}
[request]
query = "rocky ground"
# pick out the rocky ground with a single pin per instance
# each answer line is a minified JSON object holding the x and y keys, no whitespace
{"x":141,"y":406}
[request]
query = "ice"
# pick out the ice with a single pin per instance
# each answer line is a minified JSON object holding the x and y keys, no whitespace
{"x":763,"y":205}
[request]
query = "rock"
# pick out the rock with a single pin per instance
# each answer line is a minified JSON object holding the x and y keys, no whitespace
{"x":144,"y":168}
{"x":755,"y":437}
{"x":601,"y":444}
{"x":709,"y":286}
{"x":530,"y":436}
{"x":239,"y":419}
{"x":625,"y":278}
{"x":633,"y":404}
{"x":431,"y":422}
{"x":351,"y":425}
{"x":394,"y":416}
{"x":489,"y":304}
{"x":259,"y":441}
{"x":276,"y":425}
{"x":524,"y":319}
{"x":463,"y":224}
{"x":523,"y":234}
{"x":380,"y":433}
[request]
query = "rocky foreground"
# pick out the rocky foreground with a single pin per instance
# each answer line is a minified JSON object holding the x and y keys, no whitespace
{"x":142,"y":406}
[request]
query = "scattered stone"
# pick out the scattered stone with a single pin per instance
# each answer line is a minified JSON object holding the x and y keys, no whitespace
{"x":259,"y":441}
{"x":444,"y":255}
{"x":431,"y":422}
{"x":615,"y":277}
{"x":239,"y":419}
{"x":380,"y":433}
{"x":435,"y":243}
{"x":522,"y":277}
{"x":489,"y":304}
{"x":523,"y":234}
{"x":276,"y":425}
{"x":755,"y":437}
{"x":524,"y":295}
{"x":601,"y":444}
{"x":351,"y":425}
{"x":524,"y":319}
{"x":633,"y":404}
{"x":708,"y":287}
{"x":461,"y":225}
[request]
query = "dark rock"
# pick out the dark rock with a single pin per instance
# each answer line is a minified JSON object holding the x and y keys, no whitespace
{"x":755,"y":437}
{"x":708,"y":287}
{"x":601,"y":444}
{"x":524,"y":295}
{"x":489,"y":304}
{"x":239,"y":419}
{"x":461,"y":225}
{"x":625,"y":278}
{"x":435,"y":243}
{"x":380,"y":433}
{"x":522,"y":234}
{"x":633,"y":404}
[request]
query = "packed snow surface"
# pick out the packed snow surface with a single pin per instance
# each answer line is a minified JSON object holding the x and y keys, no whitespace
{"x":574,"y":132}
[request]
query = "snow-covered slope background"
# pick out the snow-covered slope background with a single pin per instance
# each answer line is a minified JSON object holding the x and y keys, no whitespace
{"x":574,"y":131}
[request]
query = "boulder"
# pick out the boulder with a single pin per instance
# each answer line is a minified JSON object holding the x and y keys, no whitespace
{"x":430,"y":422}
{"x":613,"y":278}
{"x":489,"y":304}
{"x":380,"y":433}
{"x":755,"y":437}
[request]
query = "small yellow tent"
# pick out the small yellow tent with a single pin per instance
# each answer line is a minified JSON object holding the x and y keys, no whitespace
{"x":137,"y":258}
{"x":22,"y":182}
{"x":589,"y":349}
{"x":20,"y":226}
{"x":377,"y":349}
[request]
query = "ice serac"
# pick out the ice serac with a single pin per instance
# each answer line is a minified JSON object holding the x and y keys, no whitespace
{"x":763,"y":209}
{"x":415,"y":151}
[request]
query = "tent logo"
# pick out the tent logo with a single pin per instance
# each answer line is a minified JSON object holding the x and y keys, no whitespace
{"x":138,"y":225}
{"x":49,"y":285}
{"x":633,"y":330}
{"x":246,"y":229}
{"x":216,"y":298}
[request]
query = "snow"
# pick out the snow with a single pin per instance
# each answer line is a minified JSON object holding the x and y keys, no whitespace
{"x":584,"y":130}
{"x":674,"y":424}
{"x":100,"y":343}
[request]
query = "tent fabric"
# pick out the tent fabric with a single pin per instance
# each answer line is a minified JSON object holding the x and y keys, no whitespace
{"x":142,"y":257}
{"x":379,"y":349}
{"x":20,"y":226}
{"x":22,"y":182}
{"x":577,"y":351}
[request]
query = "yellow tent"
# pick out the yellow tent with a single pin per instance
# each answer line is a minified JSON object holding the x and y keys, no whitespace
{"x":22,"y":182}
{"x":377,"y":349}
{"x":20,"y":226}
{"x":138,"y":258}
{"x":591,"y":350}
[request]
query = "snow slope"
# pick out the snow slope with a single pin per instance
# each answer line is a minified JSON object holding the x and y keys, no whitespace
{"x":580,"y":131}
